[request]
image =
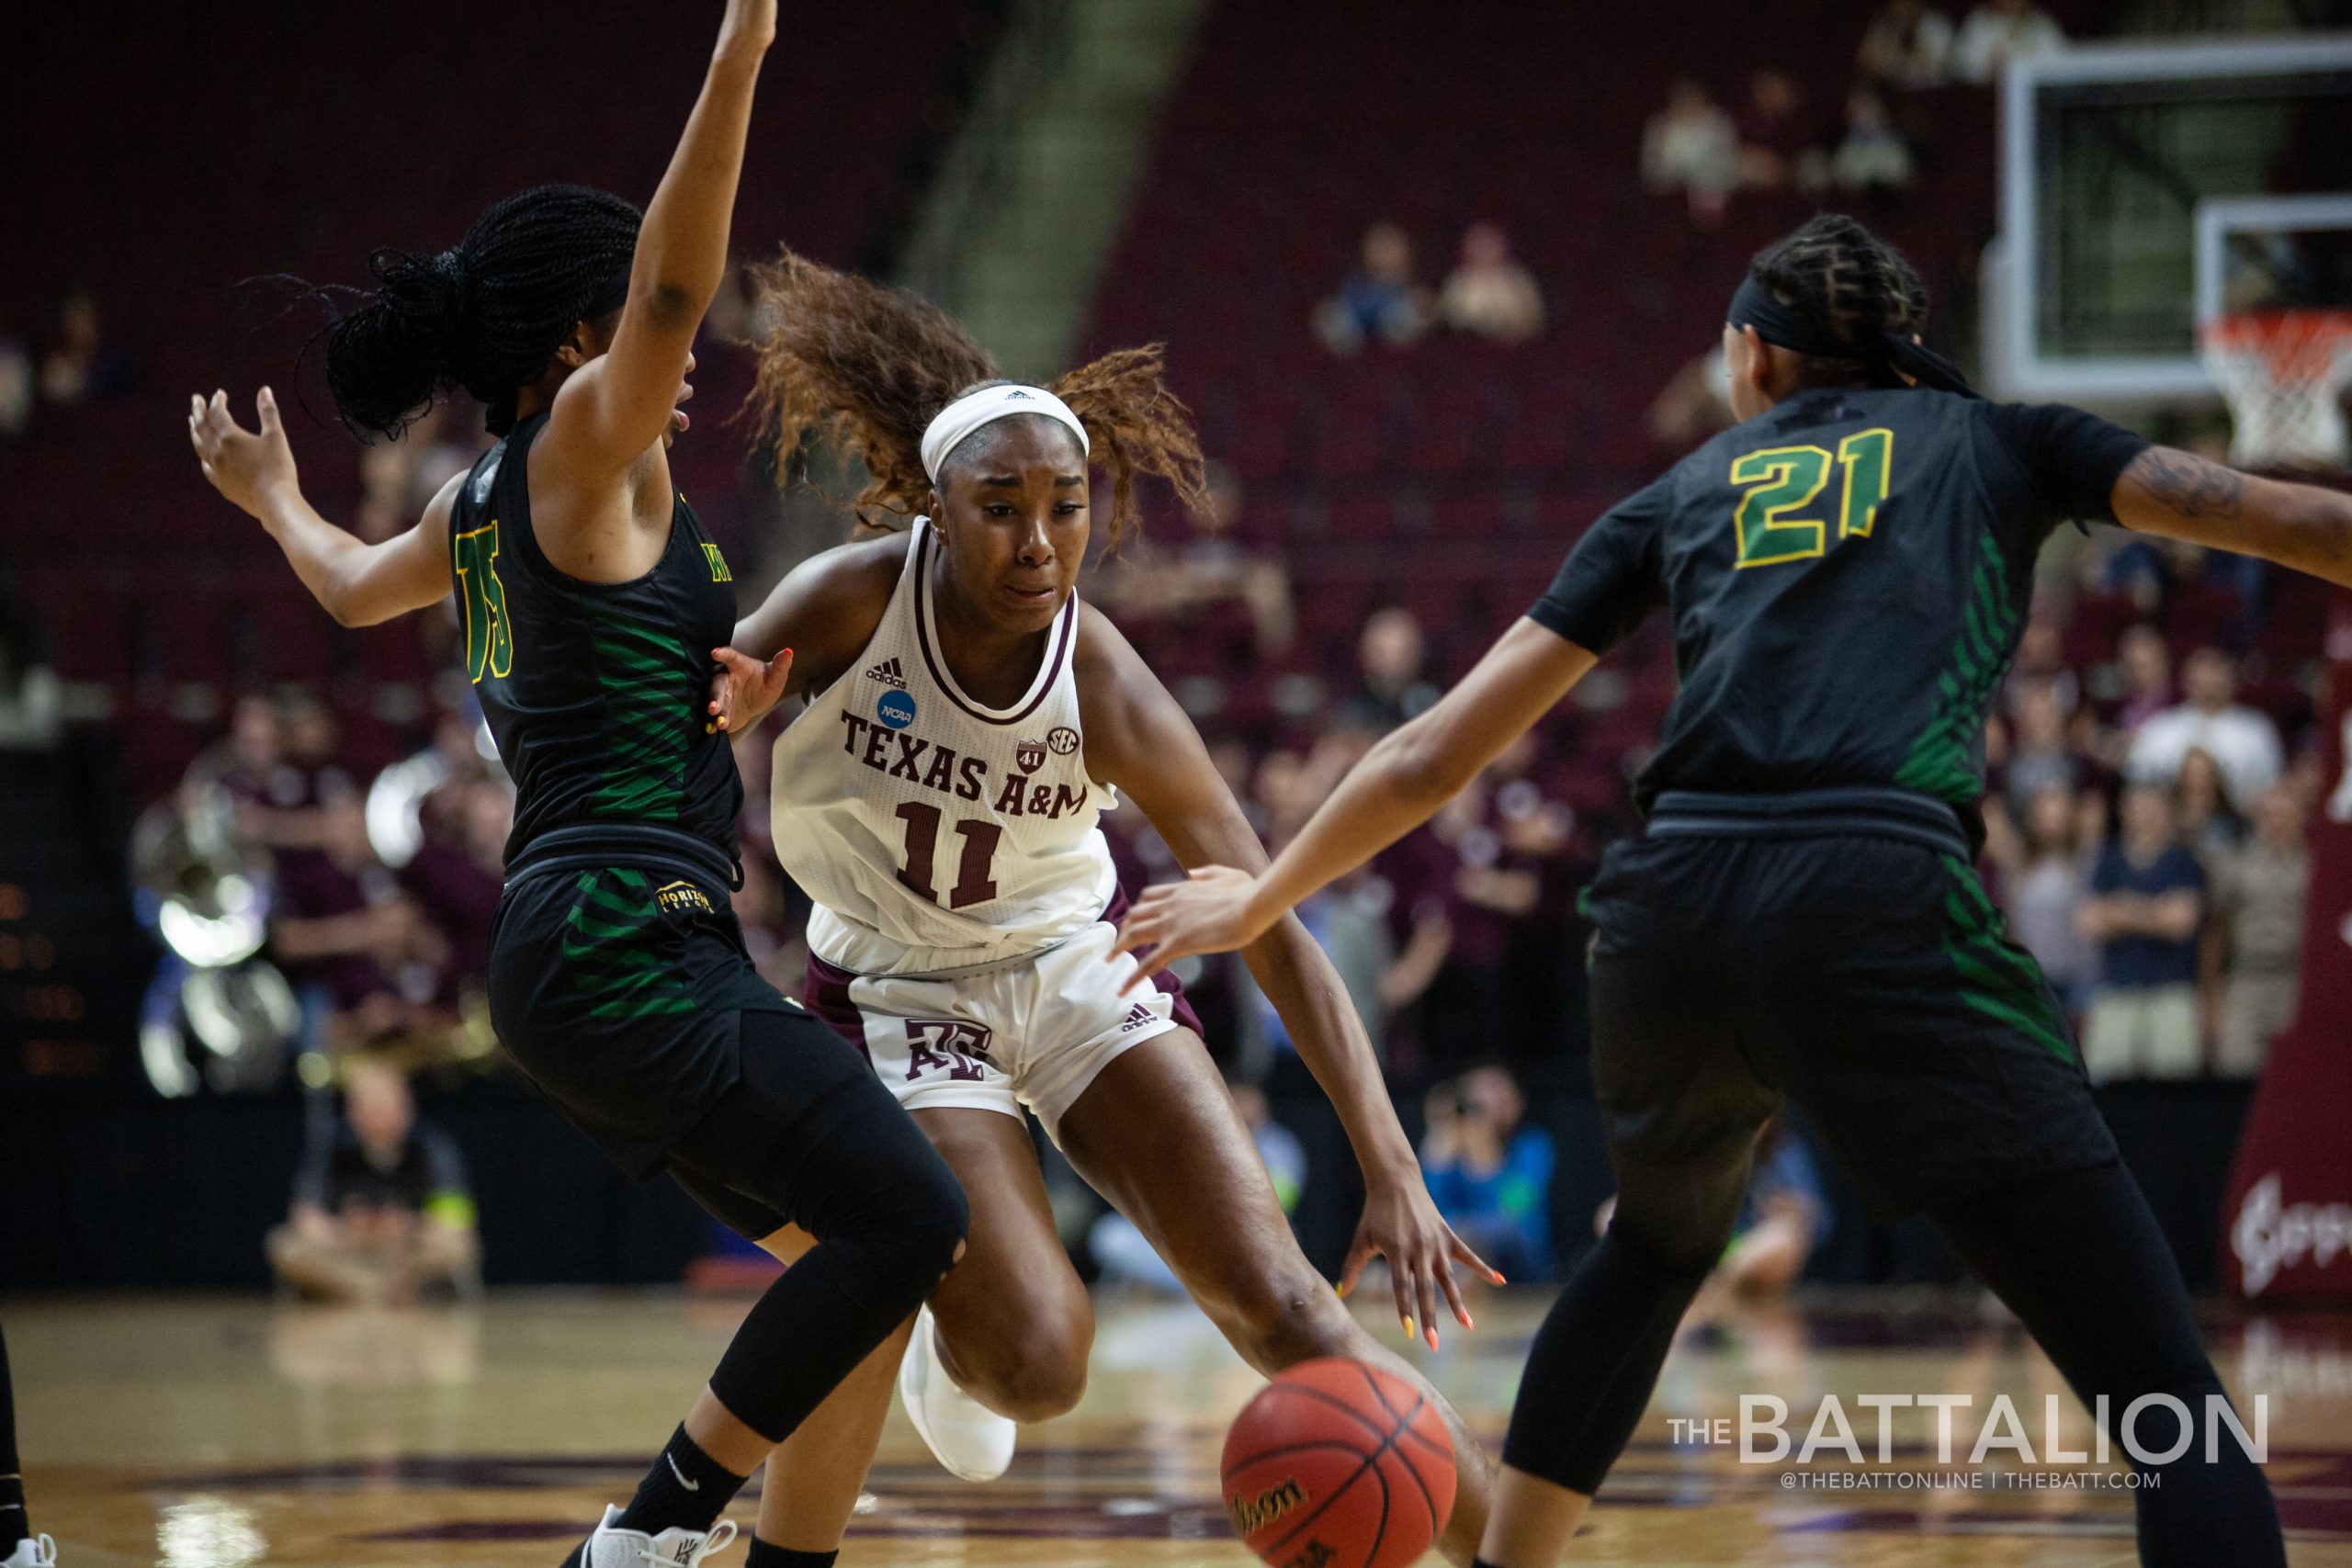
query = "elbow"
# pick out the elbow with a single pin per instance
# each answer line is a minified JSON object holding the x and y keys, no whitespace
{"x":2334,"y":527}
{"x":672,"y":305}
{"x":1419,"y":766}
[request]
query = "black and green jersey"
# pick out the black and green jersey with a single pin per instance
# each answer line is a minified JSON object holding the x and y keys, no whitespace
{"x":1848,"y":574}
{"x":594,"y":692}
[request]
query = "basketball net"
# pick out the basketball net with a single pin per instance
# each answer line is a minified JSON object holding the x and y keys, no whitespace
{"x":2283,"y":373}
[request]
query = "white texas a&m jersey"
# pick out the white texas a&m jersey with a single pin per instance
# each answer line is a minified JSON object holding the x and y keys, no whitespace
{"x":934,"y":833}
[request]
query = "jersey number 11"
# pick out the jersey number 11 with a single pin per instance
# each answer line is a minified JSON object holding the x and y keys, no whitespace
{"x":974,"y":885}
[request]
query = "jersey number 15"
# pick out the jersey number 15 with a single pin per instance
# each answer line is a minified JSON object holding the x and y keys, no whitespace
{"x":1779,"y":481}
{"x":490,"y":636}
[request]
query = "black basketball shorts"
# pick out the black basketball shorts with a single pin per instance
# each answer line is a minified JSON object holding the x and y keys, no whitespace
{"x":1867,"y":978}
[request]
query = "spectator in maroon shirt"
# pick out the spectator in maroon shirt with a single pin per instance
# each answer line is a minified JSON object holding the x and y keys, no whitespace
{"x":456,"y":874}
{"x":345,"y":934}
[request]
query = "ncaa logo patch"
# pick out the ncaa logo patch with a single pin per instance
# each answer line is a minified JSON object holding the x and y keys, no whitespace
{"x":895,"y":710}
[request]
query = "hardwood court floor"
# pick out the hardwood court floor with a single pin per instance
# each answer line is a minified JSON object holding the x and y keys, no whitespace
{"x":222,"y":1432}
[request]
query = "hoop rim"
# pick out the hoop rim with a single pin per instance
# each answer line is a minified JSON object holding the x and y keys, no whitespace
{"x":2300,"y":345}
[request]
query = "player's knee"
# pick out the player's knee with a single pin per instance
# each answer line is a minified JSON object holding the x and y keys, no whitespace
{"x":1034,"y":1375}
{"x":1279,"y":1319}
{"x":927,"y":1221}
{"x":1688,"y":1248}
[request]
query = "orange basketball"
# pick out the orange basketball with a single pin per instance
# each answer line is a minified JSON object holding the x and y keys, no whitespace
{"x":1337,"y":1465}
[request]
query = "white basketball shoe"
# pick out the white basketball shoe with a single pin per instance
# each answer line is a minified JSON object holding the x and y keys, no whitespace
{"x":611,"y":1547}
{"x":972,"y":1441}
{"x":33,"y":1551}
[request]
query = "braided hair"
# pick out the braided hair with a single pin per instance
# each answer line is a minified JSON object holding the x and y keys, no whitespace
{"x":486,"y":315}
{"x":868,"y":368}
{"x":1855,"y":285}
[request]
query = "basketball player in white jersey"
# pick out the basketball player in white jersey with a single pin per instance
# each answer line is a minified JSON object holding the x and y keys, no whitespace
{"x":967,"y":720}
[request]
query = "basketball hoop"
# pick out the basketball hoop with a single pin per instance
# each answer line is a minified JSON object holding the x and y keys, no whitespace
{"x":2283,"y":373}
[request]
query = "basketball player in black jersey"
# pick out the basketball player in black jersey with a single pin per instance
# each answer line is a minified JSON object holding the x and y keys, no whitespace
{"x":1848,"y":571}
{"x":592,"y":601}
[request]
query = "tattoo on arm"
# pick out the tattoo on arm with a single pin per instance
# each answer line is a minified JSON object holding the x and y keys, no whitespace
{"x":2188,"y":484}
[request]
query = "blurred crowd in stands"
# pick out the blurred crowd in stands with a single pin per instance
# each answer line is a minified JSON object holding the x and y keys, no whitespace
{"x":380,"y":900}
{"x":76,"y":365}
{"x":1777,"y":140}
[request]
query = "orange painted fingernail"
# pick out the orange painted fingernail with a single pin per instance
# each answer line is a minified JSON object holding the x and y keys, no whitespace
{"x":1469,"y":1322}
{"x":1432,"y":1337}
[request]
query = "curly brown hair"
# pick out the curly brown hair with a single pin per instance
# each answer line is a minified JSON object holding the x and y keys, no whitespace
{"x":868,"y":367}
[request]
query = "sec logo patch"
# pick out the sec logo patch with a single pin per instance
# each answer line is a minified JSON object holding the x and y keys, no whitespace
{"x":1063,"y":741}
{"x":895,"y":710}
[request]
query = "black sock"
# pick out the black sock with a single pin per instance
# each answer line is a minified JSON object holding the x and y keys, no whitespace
{"x":766,"y":1556}
{"x":686,"y":1489}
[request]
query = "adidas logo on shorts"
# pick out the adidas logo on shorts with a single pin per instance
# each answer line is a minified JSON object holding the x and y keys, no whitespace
{"x":1138,"y":1016}
{"x":888,"y":674}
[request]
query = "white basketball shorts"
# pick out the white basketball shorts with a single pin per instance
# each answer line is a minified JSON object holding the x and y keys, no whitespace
{"x":1035,"y":1030}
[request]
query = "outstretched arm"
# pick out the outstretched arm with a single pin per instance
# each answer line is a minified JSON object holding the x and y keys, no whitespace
{"x":620,"y":403}
{"x":807,"y":632}
{"x":359,"y":583}
{"x":1139,"y":740}
{"x":1400,"y":784}
{"x":2182,"y":496}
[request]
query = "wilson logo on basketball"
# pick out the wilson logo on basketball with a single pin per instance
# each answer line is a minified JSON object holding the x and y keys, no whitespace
{"x":1251,"y":1515}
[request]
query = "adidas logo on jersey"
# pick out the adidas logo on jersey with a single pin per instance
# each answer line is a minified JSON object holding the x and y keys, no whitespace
{"x":888,"y":674}
{"x":1138,"y":1016}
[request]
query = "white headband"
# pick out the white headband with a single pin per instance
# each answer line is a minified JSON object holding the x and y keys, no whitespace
{"x":988,"y":405}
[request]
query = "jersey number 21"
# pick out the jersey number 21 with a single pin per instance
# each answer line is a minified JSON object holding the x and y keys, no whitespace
{"x":1777,"y":481}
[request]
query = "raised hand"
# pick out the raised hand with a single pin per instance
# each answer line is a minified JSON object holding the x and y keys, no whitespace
{"x":245,"y":466}
{"x":744,"y":689}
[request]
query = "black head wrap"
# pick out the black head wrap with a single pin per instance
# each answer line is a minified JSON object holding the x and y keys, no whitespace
{"x":1891,"y":358}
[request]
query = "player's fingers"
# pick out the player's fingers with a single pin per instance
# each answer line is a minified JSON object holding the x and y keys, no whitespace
{"x":1464,"y":1255}
{"x":1452,"y":1289}
{"x":1400,"y":1287}
{"x":1140,"y":930}
{"x":1351,"y":1271}
{"x":265,"y":410}
{"x":1427,"y":1287}
{"x":780,"y":668}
